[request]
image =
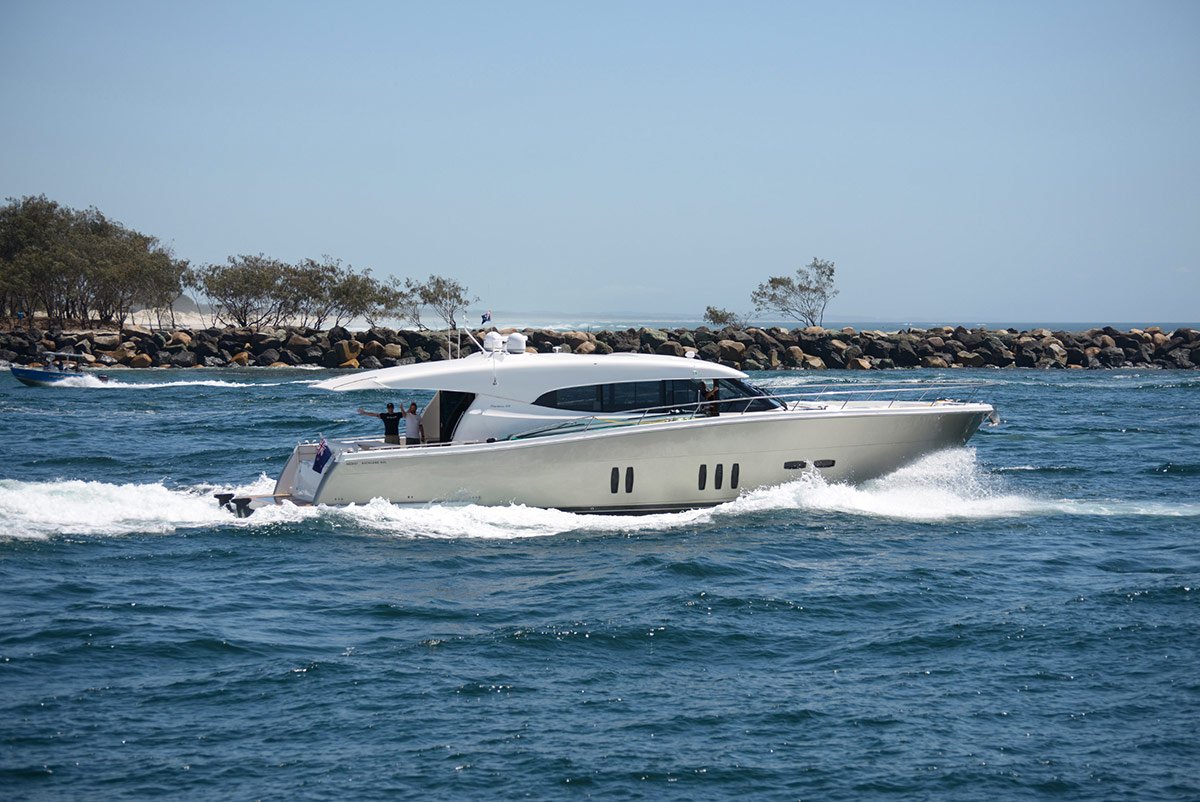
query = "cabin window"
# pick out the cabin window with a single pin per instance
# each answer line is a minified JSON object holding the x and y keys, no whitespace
{"x":735,"y":396}
{"x":629,"y":479}
{"x":823,"y":463}
{"x":702,"y":478}
{"x":734,"y":474}
{"x":578,"y":399}
{"x":632,"y":395}
{"x":614,"y":480}
{"x":718,"y":475}
{"x":680,"y":392}
{"x":625,"y":396}
{"x":795,"y":464}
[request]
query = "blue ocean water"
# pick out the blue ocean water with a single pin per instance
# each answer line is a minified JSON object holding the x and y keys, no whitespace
{"x":1019,"y":619}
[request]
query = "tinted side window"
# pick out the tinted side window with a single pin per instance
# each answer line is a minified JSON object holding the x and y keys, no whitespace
{"x":632,"y":395}
{"x":626,"y":396}
{"x":681,"y":391}
{"x":580,"y":399}
{"x":577,"y":399}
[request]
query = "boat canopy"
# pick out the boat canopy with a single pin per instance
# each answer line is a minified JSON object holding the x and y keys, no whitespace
{"x":525,"y":377}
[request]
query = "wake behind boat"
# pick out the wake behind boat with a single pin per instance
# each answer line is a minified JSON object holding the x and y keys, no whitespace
{"x":52,"y":374}
{"x":618,"y":433}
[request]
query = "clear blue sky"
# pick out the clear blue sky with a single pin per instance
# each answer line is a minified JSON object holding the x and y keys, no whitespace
{"x":960,"y":161}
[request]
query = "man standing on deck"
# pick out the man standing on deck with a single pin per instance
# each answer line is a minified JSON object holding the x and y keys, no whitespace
{"x":414,"y":430}
{"x":391,"y":423}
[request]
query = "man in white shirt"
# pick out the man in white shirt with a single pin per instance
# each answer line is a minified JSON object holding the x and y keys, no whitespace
{"x":414,"y":431}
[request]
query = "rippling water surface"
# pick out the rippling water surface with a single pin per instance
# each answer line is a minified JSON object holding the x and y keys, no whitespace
{"x":1019,"y":619}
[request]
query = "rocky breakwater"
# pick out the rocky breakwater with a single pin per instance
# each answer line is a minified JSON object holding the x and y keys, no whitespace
{"x":812,"y":348}
{"x":816,"y":348}
{"x":940,"y":347}
{"x":139,"y":347}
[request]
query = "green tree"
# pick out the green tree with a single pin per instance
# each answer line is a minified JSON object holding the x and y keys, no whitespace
{"x":355,"y":295}
{"x":310,"y":288}
{"x":399,"y":301}
{"x":163,"y":291}
{"x":246,"y":290}
{"x":446,"y":297}
{"x":75,"y":264}
{"x":723,"y":317}
{"x":803,"y":297}
{"x":124,"y":268}
{"x":33,"y":235}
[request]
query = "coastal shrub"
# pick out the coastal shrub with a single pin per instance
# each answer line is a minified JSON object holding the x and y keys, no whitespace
{"x":803,"y":297}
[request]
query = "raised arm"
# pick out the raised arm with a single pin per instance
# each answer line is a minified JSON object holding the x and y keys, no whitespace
{"x":362,"y":411}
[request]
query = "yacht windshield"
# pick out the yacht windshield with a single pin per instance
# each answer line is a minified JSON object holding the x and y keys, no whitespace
{"x":742,"y":396}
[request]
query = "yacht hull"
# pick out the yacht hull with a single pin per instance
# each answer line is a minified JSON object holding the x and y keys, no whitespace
{"x":655,"y":467}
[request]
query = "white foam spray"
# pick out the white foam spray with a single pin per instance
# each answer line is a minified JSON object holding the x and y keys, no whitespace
{"x":947,"y":486}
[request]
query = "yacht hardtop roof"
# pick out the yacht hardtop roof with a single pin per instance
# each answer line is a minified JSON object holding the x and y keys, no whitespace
{"x":524,"y":376}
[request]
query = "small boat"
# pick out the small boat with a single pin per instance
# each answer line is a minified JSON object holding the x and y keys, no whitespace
{"x":621,"y":433}
{"x":68,"y":368}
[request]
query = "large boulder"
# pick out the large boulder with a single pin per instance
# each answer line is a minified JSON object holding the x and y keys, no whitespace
{"x":652,"y":337}
{"x":905,"y":355}
{"x":183,"y":359}
{"x":731,"y":350}
{"x":205,"y":347}
{"x":1111,"y":356}
{"x":575,"y":339}
{"x":880,"y":348}
{"x":763,"y":340}
{"x":289,"y":358}
{"x":346,"y":350}
{"x":131,"y":331}
{"x":813,"y":363}
{"x":266,"y":358}
{"x":970,"y":338}
{"x":1180,"y":358}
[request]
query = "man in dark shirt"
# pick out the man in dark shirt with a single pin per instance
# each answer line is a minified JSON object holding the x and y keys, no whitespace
{"x":391,"y":423}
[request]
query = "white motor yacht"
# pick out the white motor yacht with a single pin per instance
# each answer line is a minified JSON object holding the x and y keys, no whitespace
{"x":615,"y":433}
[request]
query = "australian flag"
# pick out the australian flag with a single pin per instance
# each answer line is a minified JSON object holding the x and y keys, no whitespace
{"x":487,"y":316}
{"x":322,"y":456}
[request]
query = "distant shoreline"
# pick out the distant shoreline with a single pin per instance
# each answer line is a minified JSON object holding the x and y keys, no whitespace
{"x":750,"y":348}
